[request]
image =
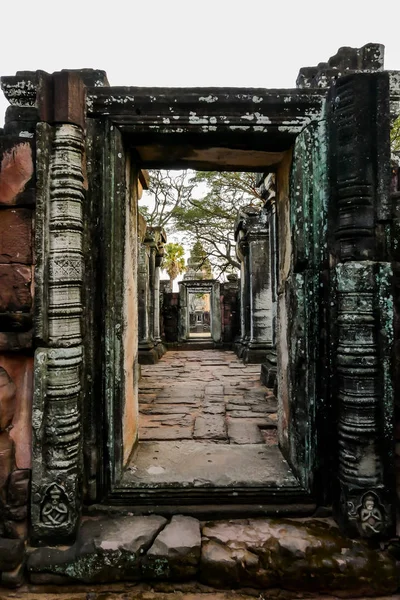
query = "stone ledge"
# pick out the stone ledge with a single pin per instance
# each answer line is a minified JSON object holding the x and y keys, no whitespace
{"x":292,"y":555}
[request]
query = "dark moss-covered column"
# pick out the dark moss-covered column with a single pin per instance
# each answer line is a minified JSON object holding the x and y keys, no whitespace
{"x":360,"y":227}
{"x":242,"y":253}
{"x":146,"y":270}
{"x":157,"y":252}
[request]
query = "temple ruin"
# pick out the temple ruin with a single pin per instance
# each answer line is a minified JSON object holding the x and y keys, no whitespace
{"x":300,"y":378}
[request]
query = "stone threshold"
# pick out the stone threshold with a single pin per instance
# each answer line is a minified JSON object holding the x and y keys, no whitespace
{"x":186,"y":591}
{"x":298,"y":557}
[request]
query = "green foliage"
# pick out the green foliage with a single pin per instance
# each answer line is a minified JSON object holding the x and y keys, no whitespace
{"x":203,"y":207}
{"x":169,"y":189}
{"x":395,"y":136}
{"x":173,"y":261}
{"x":211,"y":218}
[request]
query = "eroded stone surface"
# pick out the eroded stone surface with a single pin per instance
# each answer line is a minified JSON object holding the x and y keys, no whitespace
{"x":290,"y":555}
{"x":176,"y":551}
{"x":11,"y":554}
{"x":106,"y":550}
{"x":204,"y":392}
{"x":7,"y":399}
{"x":311,"y":556}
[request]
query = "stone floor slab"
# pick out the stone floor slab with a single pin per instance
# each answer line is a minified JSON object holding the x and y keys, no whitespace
{"x":193,"y":463}
{"x":210,"y":427}
{"x":205,"y":387}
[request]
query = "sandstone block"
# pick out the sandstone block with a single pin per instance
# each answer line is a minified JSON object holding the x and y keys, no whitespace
{"x":106,"y":550}
{"x":210,"y":427}
{"x":11,"y":554}
{"x":16,"y":239}
{"x":14,"y":578}
{"x":15,"y":288}
{"x":18,"y":487}
{"x":175,"y":553}
{"x":16,"y":169}
{"x":7,"y":399}
{"x":6,"y":457}
{"x":293,"y":555}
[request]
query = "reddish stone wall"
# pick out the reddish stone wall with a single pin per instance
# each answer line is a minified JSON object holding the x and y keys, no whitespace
{"x":17,"y":196}
{"x":230,"y":312}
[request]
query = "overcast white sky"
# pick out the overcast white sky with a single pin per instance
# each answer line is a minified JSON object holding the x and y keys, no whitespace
{"x":253,"y":43}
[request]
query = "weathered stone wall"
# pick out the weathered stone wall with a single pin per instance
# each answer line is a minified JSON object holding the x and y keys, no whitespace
{"x":130,"y":311}
{"x":230,"y":312}
{"x":17,"y":211}
{"x":395,"y":194}
{"x":284,"y":253}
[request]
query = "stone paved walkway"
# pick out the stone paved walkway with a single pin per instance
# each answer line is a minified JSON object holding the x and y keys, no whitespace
{"x":205,"y":395}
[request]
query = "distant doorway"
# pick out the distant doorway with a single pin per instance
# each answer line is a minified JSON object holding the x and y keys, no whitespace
{"x":199,"y":315}
{"x":200,"y":310}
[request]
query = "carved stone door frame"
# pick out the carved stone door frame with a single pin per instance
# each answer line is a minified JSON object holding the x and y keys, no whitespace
{"x":78,"y":413}
{"x":211,"y":287}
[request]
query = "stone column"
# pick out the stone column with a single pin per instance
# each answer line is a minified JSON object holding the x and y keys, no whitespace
{"x":242,"y":249}
{"x":361,"y":302}
{"x":157,"y":253}
{"x":147,"y":353}
{"x":56,"y":491}
{"x":252,"y":229}
{"x":183,"y":313}
{"x":216,"y":324}
{"x":268,"y":191}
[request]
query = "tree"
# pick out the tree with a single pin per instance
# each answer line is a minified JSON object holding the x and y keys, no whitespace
{"x":173,"y":261}
{"x":169,"y":189}
{"x":203,"y":207}
{"x":211,"y":218}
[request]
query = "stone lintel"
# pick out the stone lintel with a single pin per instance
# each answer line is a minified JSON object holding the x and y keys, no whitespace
{"x":211,"y":111}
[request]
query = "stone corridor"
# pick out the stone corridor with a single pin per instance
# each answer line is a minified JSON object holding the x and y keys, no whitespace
{"x":205,"y":395}
{"x":206,"y":420}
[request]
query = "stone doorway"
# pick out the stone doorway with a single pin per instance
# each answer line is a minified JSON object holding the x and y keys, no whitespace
{"x":199,"y":315}
{"x":190,"y":328}
{"x":334,"y":294}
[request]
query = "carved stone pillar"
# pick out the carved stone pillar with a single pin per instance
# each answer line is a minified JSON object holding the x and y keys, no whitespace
{"x":268,"y":190}
{"x":157,"y":252}
{"x":242,"y":253}
{"x":358,"y":116}
{"x":147,"y":353}
{"x":57,"y":447}
{"x":258,"y":312}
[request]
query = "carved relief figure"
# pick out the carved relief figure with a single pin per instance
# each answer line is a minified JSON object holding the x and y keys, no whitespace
{"x":55,"y":510}
{"x":371,"y":517}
